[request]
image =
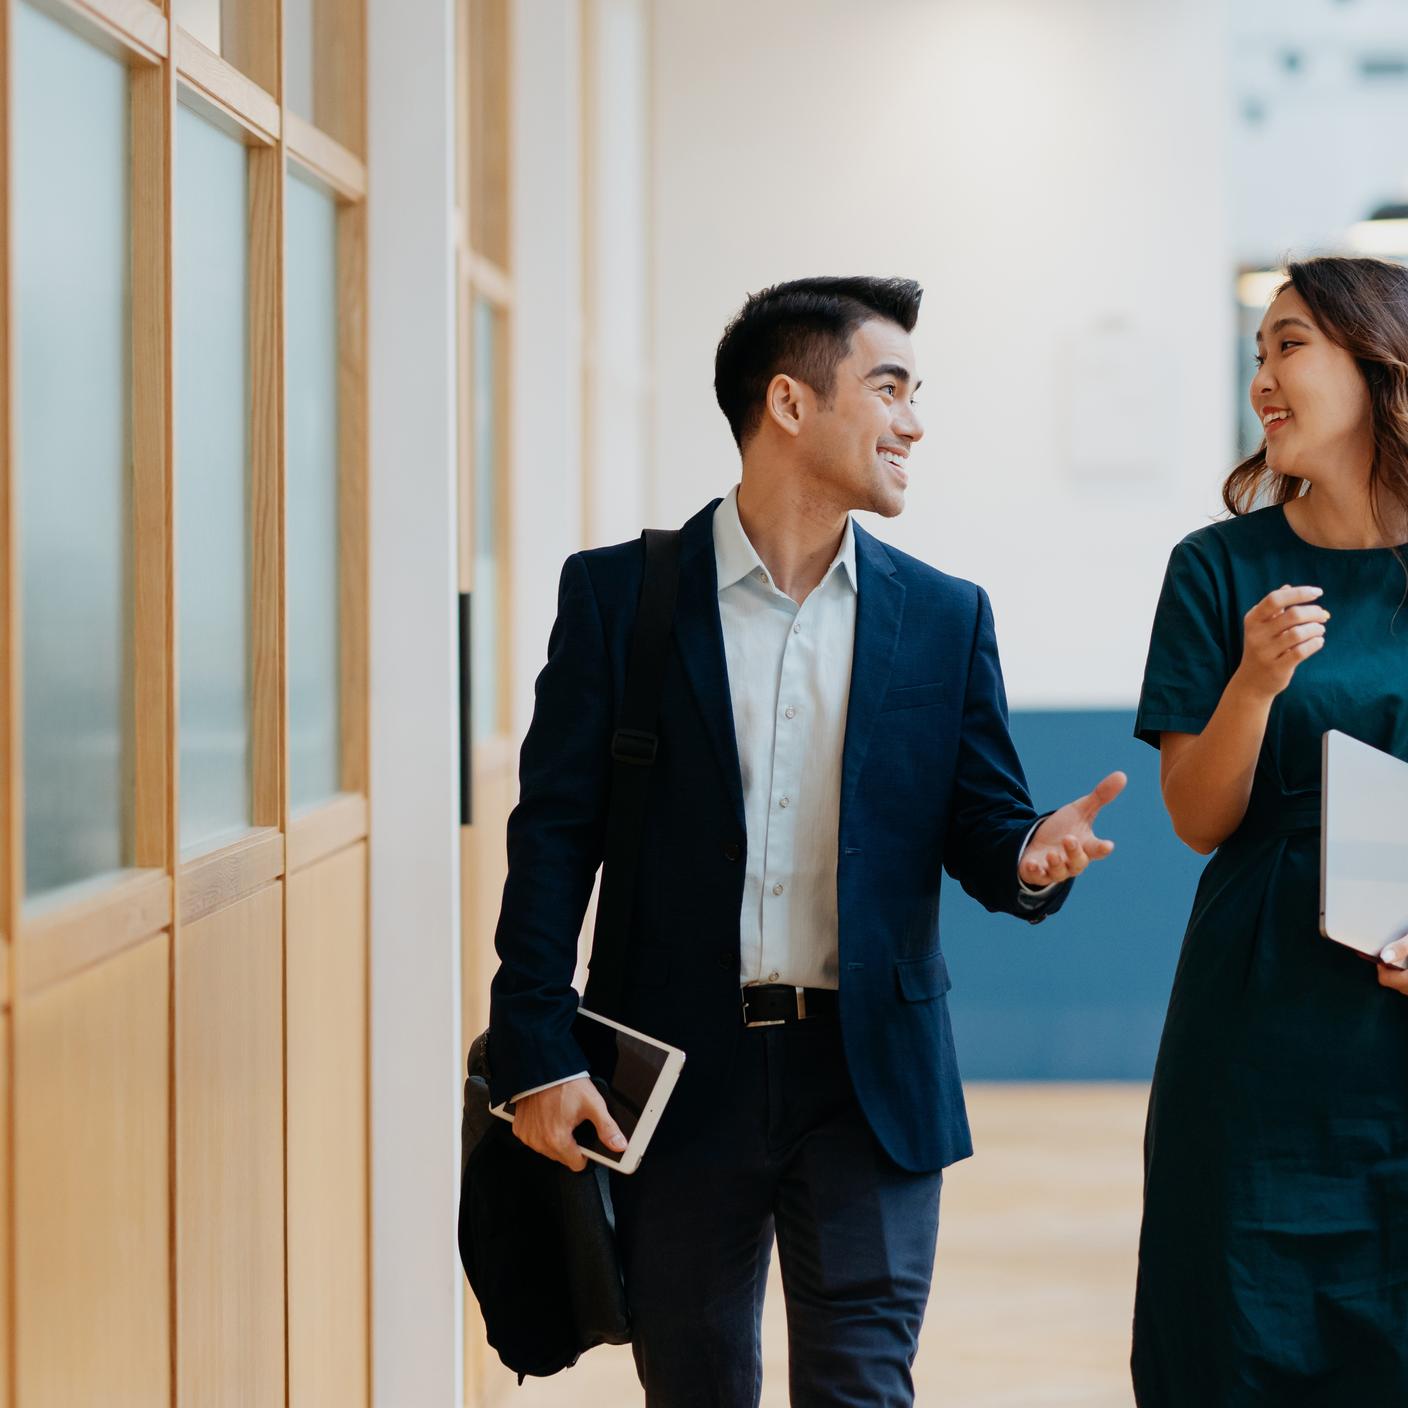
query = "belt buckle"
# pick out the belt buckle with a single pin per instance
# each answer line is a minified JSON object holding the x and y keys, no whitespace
{"x":771,"y":1022}
{"x":801,"y":997}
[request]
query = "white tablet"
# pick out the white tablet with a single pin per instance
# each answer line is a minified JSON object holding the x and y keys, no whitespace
{"x":1363,"y":845}
{"x":635,"y":1075}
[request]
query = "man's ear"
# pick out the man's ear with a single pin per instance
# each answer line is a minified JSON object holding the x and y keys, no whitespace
{"x":787,"y":403}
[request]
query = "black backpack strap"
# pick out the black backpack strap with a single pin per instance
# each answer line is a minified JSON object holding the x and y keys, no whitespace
{"x":633,"y":749}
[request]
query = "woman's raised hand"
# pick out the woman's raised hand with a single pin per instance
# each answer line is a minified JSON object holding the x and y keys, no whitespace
{"x":1391,"y":974}
{"x":1282,"y":629}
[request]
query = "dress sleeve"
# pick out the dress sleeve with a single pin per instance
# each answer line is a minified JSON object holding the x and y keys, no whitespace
{"x":1189,"y":657}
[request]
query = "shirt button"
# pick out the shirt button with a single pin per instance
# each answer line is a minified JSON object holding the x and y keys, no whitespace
{"x":796,"y":630}
{"x":774,"y":976}
{"x":790,"y":712}
{"x":784,"y":802}
{"x":778,"y":888}
{"x":732,"y":851}
{"x":762,"y":576}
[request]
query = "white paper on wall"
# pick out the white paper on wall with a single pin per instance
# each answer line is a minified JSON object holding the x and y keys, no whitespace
{"x":1115,"y":405}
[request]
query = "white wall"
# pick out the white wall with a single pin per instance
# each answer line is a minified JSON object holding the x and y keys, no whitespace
{"x":550,"y":224}
{"x":616,"y":142}
{"x":545,"y":487}
{"x":416,"y":1278}
{"x":1051,"y":171}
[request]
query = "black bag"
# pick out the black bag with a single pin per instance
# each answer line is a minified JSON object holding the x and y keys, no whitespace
{"x":537,"y":1241}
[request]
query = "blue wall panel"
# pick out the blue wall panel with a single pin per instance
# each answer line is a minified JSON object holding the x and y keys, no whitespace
{"x":1082,"y":996}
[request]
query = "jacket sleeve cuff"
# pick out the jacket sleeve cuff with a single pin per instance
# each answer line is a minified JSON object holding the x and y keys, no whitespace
{"x":1028,"y":896}
{"x":524,"y":1094}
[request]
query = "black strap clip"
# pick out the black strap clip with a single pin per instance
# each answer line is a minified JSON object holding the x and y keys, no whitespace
{"x":632,"y":745}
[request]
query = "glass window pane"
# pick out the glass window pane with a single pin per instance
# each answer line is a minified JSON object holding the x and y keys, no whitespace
{"x":73,"y":338}
{"x":487,"y":594}
{"x":311,"y":417}
{"x":200,"y":18}
{"x":212,"y":479}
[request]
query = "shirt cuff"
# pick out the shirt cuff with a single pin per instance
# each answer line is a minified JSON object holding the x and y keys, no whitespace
{"x":524,"y":1094}
{"x":1027,"y":896}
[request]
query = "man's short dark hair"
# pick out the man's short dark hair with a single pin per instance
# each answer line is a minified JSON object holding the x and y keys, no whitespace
{"x":801,"y":329}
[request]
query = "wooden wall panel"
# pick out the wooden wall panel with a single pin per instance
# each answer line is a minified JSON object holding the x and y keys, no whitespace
{"x":152,"y":681}
{"x":162,"y":1241}
{"x":326,"y":975}
{"x":92,"y":1225}
{"x":229,"y":1156}
{"x":266,"y":495}
{"x":5,"y":1153}
{"x":339,"y":74}
{"x":489,"y":129}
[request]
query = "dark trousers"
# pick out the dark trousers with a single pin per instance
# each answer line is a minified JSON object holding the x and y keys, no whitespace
{"x":788,"y":1153}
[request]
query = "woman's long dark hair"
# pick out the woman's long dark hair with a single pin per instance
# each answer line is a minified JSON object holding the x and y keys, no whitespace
{"x":1362,"y":306}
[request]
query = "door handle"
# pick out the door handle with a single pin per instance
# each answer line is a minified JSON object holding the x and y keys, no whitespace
{"x":466,"y":637}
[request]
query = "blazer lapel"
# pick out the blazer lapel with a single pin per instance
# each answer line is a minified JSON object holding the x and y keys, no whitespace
{"x":879,"y":609}
{"x":699,"y":635}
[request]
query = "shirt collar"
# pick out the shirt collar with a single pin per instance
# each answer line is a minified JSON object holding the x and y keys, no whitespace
{"x":735,"y":557}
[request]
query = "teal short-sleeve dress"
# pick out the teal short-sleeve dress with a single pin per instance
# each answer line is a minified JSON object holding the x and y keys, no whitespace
{"x":1273,"y":1258}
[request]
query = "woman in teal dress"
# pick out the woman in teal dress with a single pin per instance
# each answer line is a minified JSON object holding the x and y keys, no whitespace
{"x":1273,"y":1259}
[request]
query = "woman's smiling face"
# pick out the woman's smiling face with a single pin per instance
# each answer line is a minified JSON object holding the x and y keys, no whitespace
{"x":1310,"y":396}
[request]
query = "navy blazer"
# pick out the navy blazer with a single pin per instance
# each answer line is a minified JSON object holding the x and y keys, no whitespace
{"x":930,"y":782}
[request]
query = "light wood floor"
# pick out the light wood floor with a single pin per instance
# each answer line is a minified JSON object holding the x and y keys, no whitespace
{"x":1035,"y":1278}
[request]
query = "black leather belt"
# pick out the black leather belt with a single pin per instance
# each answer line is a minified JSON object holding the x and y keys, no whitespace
{"x":776,"y":1004}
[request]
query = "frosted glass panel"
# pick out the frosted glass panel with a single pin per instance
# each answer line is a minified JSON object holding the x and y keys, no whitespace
{"x":312,"y":496}
{"x":71,"y":298}
{"x":212,"y":479}
{"x":202,"y":19}
{"x":484,"y":659}
{"x":298,"y":57}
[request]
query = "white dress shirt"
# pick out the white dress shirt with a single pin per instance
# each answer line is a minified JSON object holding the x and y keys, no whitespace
{"x":789,"y":679}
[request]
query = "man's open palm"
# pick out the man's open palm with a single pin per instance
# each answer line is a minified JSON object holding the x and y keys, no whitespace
{"x":1065,"y":843}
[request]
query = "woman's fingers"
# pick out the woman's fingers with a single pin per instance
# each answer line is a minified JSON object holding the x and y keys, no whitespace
{"x":1283,"y":629}
{"x":1296,"y":635}
{"x":1395,"y":978}
{"x":1304,"y":650}
{"x":1273,"y":603}
{"x":1300,"y":616}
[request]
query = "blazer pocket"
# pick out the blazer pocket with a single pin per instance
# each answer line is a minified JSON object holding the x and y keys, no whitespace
{"x":913,"y":696}
{"x":922,"y":979}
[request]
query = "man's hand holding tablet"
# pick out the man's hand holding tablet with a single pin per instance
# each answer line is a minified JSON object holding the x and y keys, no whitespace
{"x":545,"y":1122}
{"x":608,"y":1114}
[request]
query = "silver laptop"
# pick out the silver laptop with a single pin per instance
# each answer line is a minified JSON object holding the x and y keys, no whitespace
{"x":1363,"y":845}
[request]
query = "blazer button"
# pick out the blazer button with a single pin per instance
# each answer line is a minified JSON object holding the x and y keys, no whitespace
{"x":732,"y":851}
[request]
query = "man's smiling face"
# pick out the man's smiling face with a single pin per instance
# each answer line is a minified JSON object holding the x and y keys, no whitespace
{"x":857,"y":447}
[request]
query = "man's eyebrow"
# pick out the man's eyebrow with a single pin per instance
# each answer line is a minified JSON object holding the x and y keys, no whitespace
{"x":891,"y":369}
{"x":1284,"y":323}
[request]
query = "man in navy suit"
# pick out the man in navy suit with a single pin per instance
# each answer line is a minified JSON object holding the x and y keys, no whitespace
{"x":833,"y":736}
